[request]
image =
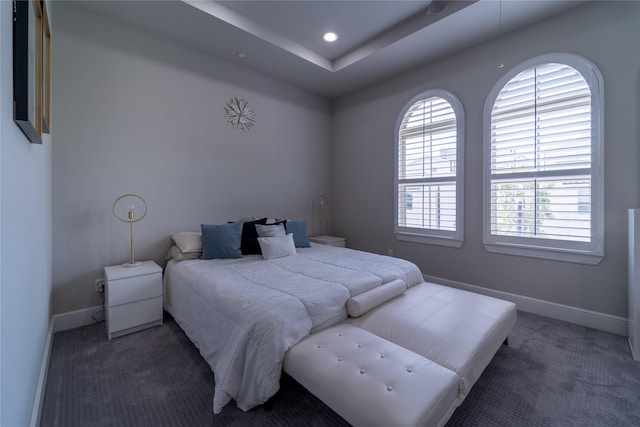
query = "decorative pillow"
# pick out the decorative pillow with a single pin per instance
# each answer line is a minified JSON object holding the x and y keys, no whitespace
{"x":368,"y":300}
{"x":221,"y":241}
{"x":271,"y":230}
{"x":249,"y":244}
{"x":188,"y":241}
{"x":176,"y":254}
{"x":277,"y":247}
{"x":299,"y":230}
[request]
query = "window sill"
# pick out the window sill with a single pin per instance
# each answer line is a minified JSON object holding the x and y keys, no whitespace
{"x":545,"y":253}
{"x":430,"y":240}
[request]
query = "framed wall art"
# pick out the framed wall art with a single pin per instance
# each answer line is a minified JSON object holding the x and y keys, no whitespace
{"x":46,"y":71}
{"x":31,"y":65}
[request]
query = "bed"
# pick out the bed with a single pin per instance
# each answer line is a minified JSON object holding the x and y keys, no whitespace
{"x":363,"y":332}
{"x":243,"y":314}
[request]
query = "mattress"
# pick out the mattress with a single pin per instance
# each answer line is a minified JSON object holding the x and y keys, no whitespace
{"x":244,"y":314}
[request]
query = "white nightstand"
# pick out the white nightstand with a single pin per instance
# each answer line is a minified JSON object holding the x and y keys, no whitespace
{"x":133,"y":298}
{"x":338,"y":242}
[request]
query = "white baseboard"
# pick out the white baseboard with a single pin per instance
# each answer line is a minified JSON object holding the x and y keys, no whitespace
{"x":77,"y":318}
{"x":36,"y":412}
{"x":592,"y":319}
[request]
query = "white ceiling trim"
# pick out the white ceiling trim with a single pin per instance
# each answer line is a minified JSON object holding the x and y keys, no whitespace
{"x":387,"y":37}
{"x":384,"y":43}
{"x":241,"y":22}
{"x":398,"y":32}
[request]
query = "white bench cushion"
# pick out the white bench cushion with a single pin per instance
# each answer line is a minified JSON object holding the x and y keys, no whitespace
{"x":370,"y":381}
{"x":457,"y":329}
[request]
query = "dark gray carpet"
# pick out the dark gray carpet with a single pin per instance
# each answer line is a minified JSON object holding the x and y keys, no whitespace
{"x":552,"y":374}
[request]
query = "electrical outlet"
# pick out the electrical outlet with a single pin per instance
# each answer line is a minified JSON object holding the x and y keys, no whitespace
{"x":99,"y":284}
{"x":389,"y":252}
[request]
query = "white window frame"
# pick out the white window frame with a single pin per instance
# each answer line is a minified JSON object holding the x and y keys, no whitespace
{"x":589,"y":253}
{"x":432,"y":236}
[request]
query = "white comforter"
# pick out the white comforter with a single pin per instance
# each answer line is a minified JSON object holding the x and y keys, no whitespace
{"x":244,"y":314}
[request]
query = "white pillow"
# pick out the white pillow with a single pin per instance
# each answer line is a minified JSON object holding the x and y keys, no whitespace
{"x":188,"y":241}
{"x":270,"y":230}
{"x":277,"y":247}
{"x":360,"y":304}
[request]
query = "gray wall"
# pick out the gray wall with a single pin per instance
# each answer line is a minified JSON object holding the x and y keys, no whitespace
{"x":25,"y":251}
{"x":137,"y":113}
{"x":605,"y":33}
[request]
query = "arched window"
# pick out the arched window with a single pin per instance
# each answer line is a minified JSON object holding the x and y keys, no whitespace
{"x":429,"y":170}
{"x":543,"y":168}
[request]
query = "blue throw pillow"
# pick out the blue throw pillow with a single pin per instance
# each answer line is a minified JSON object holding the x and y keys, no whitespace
{"x":221,"y":241}
{"x":299,"y":230}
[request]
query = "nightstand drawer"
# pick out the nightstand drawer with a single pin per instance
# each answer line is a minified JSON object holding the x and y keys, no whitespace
{"x":133,"y":298}
{"x":122,"y":291}
{"x":134,"y":314}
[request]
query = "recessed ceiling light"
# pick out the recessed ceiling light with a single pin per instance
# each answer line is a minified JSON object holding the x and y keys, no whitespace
{"x":330,"y":37}
{"x":242,"y":55}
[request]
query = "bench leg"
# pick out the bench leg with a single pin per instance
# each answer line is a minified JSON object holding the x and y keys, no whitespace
{"x":268,"y":405}
{"x":506,"y":341}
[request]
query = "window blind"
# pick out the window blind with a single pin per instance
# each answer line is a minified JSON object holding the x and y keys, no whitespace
{"x":427,"y":169}
{"x":541,"y":155}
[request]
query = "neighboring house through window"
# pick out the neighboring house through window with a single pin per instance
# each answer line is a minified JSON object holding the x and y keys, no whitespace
{"x":429,"y":170}
{"x":543,"y":148}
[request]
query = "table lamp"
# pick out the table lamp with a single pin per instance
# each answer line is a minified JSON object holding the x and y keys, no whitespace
{"x":125,"y":208}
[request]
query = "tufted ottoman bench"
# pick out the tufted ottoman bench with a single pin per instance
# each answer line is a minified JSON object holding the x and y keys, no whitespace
{"x":370,"y":381}
{"x":459,"y":330}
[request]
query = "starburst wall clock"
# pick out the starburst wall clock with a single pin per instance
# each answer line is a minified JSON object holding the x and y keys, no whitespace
{"x":240,"y":114}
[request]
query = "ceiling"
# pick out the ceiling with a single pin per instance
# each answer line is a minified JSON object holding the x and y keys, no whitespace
{"x":377,"y":39}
